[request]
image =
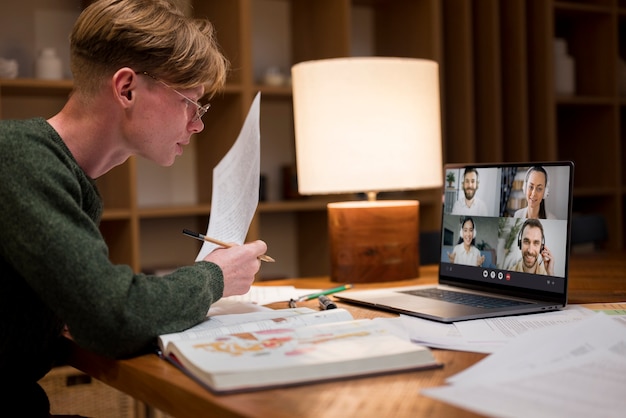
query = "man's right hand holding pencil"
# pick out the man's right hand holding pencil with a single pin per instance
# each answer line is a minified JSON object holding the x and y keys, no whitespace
{"x":239,"y":264}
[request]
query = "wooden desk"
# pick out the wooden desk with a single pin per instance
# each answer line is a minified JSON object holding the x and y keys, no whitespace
{"x":593,"y":278}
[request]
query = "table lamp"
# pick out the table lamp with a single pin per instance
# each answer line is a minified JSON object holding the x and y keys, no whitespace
{"x":368,"y":125}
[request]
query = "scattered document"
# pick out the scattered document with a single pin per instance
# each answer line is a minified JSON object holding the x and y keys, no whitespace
{"x":609,"y":308}
{"x":487,"y":335}
{"x":225,"y":307}
{"x":236,"y":185}
{"x":264,"y":295}
{"x":573,"y":370}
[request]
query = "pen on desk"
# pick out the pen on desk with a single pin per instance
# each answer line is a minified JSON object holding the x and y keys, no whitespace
{"x":203,"y":237}
{"x":326,"y":303}
{"x":324,"y":292}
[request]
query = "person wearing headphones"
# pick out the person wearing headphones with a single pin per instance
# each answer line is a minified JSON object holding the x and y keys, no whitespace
{"x":535,"y":191}
{"x":532,"y":242}
{"x":469,"y":204}
{"x":466,"y":252}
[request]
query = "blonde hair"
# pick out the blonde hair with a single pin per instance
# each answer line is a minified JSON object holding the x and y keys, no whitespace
{"x":145,"y":35}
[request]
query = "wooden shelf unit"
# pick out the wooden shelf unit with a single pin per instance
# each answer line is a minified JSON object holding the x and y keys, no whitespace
{"x":314,"y":30}
{"x":498,"y":104}
{"x":500,"y":100}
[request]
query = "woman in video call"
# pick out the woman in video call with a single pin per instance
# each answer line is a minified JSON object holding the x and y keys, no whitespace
{"x":465,"y":252}
{"x":535,"y":190}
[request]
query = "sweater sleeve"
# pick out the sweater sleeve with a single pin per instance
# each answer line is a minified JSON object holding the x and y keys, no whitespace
{"x":49,"y":212}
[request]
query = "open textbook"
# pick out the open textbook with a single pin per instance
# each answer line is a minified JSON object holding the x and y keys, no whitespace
{"x":244,"y":352}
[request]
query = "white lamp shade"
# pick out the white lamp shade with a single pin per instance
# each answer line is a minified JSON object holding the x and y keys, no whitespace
{"x":367,"y":124}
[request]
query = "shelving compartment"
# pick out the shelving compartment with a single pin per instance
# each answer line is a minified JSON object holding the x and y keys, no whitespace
{"x":278,"y":159}
{"x":24,"y":98}
{"x":162,"y":244}
{"x":118,"y":190}
{"x":589,"y":34}
{"x":230,"y":20}
{"x":404,"y":28}
{"x":272,"y":45}
{"x":222,"y":125}
{"x":119,"y":235}
{"x":586,"y":135}
{"x":118,"y":225}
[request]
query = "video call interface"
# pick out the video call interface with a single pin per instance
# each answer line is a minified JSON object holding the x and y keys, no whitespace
{"x":507,"y":225}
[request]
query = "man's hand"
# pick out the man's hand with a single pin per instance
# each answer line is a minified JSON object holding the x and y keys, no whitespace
{"x":548,"y":260}
{"x":239,"y":265}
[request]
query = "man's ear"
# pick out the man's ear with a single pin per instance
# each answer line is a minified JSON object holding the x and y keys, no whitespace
{"x":124,"y":81}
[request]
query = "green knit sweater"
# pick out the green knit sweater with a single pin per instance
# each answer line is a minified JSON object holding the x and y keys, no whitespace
{"x":55,"y":268}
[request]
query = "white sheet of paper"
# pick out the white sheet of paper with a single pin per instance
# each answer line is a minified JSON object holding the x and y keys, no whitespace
{"x":263,"y":295}
{"x":538,"y":349}
{"x":236,"y":185}
{"x":590,"y":388}
{"x":487,"y":335}
{"x":439,"y":335}
{"x":506,"y":328}
{"x":573,"y":370}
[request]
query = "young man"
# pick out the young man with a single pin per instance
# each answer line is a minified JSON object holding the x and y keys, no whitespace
{"x":139,"y":67}
{"x":532,"y":244}
{"x":469,"y":204}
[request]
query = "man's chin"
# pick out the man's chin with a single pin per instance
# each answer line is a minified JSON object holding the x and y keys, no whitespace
{"x":530,"y":265}
{"x":169,"y":162}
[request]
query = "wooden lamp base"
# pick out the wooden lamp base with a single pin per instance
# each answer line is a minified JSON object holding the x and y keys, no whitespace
{"x":374,"y":241}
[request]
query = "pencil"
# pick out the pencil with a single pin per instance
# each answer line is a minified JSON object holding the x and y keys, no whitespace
{"x":203,"y":237}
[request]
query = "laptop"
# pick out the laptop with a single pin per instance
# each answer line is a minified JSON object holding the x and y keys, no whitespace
{"x":504,"y":247}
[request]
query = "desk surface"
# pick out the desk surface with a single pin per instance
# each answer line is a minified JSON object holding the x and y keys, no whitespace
{"x":593,"y":278}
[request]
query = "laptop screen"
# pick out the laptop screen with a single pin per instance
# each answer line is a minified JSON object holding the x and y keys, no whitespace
{"x":507,"y":226}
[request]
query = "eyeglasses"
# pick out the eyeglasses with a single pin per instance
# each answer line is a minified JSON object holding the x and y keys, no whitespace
{"x":200,"y":109}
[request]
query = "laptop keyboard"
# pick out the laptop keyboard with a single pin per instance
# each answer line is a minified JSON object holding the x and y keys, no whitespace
{"x":462,"y":298}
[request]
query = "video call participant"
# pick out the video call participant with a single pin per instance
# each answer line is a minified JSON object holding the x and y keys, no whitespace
{"x":531,"y":241}
{"x":470,"y":204}
{"x":535,"y":191}
{"x":466,"y":252}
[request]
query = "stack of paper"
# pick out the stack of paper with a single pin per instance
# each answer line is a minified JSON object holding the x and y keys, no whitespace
{"x":574,"y":370}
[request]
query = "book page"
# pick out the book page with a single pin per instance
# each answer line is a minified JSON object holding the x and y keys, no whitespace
{"x":256,"y":321}
{"x":236,"y":185}
{"x":288,"y":355}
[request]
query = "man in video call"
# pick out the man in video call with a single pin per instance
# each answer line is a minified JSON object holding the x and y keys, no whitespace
{"x":470,"y":204}
{"x":531,"y":242}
